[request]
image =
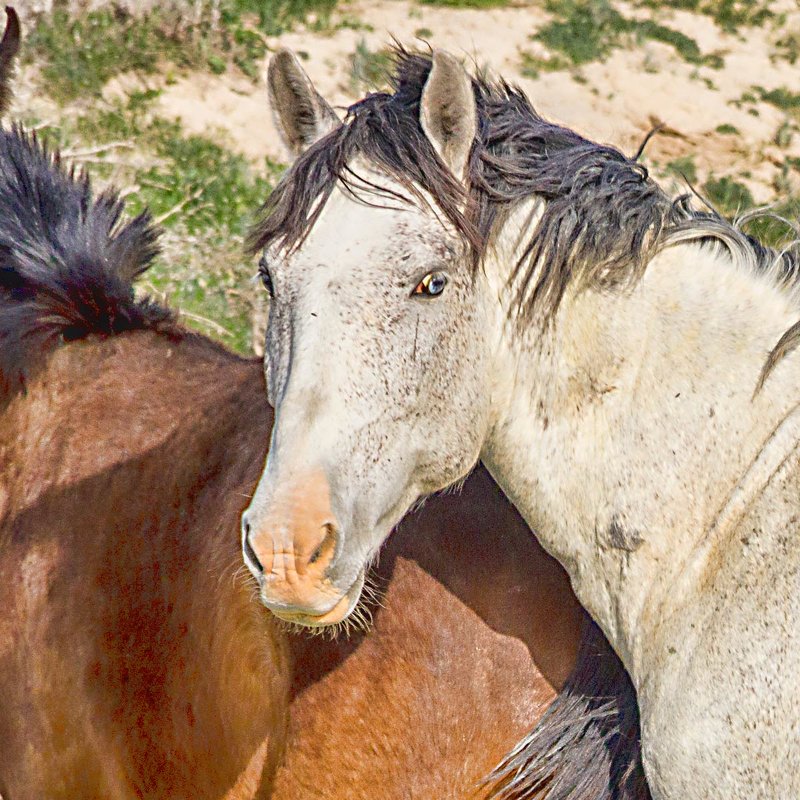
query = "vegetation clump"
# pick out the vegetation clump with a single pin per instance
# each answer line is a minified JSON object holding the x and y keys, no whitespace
{"x":730,"y":15}
{"x":80,"y":54}
{"x":589,"y":30}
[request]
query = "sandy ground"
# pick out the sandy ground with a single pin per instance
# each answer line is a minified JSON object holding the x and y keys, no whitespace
{"x":616,"y":101}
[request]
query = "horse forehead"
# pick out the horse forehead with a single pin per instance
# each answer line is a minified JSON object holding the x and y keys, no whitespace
{"x":375,"y":228}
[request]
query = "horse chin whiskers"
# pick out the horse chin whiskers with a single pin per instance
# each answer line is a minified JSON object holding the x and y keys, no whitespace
{"x":358,"y":621}
{"x":373,"y":590}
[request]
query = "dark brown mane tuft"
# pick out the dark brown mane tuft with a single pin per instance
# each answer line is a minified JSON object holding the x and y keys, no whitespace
{"x":384,"y":128}
{"x":586,"y":746}
{"x":67,"y":260}
{"x":601,"y":210}
{"x":602,"y":220}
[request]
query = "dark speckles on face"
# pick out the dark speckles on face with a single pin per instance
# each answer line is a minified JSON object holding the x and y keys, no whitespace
{"x":400,"y":383}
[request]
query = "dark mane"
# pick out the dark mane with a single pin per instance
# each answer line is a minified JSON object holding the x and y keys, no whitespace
{"x":602,"y":221}
{"x":67,"y":260}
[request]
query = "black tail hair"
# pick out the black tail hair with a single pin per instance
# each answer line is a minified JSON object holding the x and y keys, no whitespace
{"x":587,"y":745}
{"x":67,"y":260}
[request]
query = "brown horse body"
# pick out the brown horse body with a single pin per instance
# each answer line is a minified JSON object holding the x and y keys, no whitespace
{"x":134,"y":658}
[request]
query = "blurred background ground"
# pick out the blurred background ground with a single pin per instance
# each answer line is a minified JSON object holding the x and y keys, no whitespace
{"x":166,"y":101}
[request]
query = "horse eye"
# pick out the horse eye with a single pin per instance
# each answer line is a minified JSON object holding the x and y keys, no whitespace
{"x":431,"y":285}
{"x":266,"y":278}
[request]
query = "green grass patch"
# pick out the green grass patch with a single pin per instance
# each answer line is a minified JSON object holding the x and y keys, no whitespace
{"x":276,"y":16}
{"x":221,"y":190}
{"x":727,"y":128}
{"x":728,"y":195}
{"x":349,"y":23}
{"x":589,"y":30}
{"x":785,"y":133}
{"x":686,"y":47}
{"x":788,"y":47}
{"x":730,"y":15}
{"x":532,"y":66}
{"x":583,"y":30}
{"x":781,"y":97}
{"x":78,"y":55}
{"x":683,"y":167}
{"x":370,"y":69}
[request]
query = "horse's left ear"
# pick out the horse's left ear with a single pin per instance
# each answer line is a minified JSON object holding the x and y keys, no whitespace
{"x":9,"y":47}
{"x":448,"y":112}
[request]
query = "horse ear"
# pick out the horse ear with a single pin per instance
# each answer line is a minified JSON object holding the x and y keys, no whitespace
{"x":448,"y":112}
{"x":301,"y":114}
{"x":9,"y":46}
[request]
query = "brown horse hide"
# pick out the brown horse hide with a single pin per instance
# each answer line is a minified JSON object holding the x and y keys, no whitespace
{"x":135,"y":659}
{"x":478,"y":628}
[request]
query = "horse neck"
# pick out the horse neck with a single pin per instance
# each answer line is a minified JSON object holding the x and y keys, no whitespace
{"x":167,"y":434}
{"x":624,"y":426}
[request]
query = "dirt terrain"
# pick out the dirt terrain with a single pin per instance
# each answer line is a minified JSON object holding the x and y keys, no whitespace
{"x":175,"y":112}
{"x":615,"y":100}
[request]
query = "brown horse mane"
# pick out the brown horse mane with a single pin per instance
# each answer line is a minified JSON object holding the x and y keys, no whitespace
{"x":603,"y":217}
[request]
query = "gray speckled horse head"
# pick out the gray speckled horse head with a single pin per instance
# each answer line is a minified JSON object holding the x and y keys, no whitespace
{"x":370,"y":346}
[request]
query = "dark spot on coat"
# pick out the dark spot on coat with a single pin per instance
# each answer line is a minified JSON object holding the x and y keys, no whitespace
{"x":623,"y":537}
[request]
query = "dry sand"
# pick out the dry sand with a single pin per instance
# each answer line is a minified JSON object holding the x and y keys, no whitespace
{"x":616,"y":101}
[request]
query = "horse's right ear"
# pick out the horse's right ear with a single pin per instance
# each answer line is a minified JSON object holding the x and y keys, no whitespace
{"x":301,"y":114}
{"x":9,"y":47}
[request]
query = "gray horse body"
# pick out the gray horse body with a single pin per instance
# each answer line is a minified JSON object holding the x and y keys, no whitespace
{"x":733,"y":661}
{"x":623,"y":365}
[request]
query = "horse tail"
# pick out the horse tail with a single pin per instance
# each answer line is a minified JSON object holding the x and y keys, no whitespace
{"x":68,"y":259}
{"x":587,"y":746}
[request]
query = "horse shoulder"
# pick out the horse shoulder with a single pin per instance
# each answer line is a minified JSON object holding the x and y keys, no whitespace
{"x":726,"y":674}
{"x":136,"y":456}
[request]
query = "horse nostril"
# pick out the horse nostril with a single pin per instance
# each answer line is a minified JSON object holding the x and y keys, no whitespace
{"x":327,"y":546}
{"x":249,"y":554}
